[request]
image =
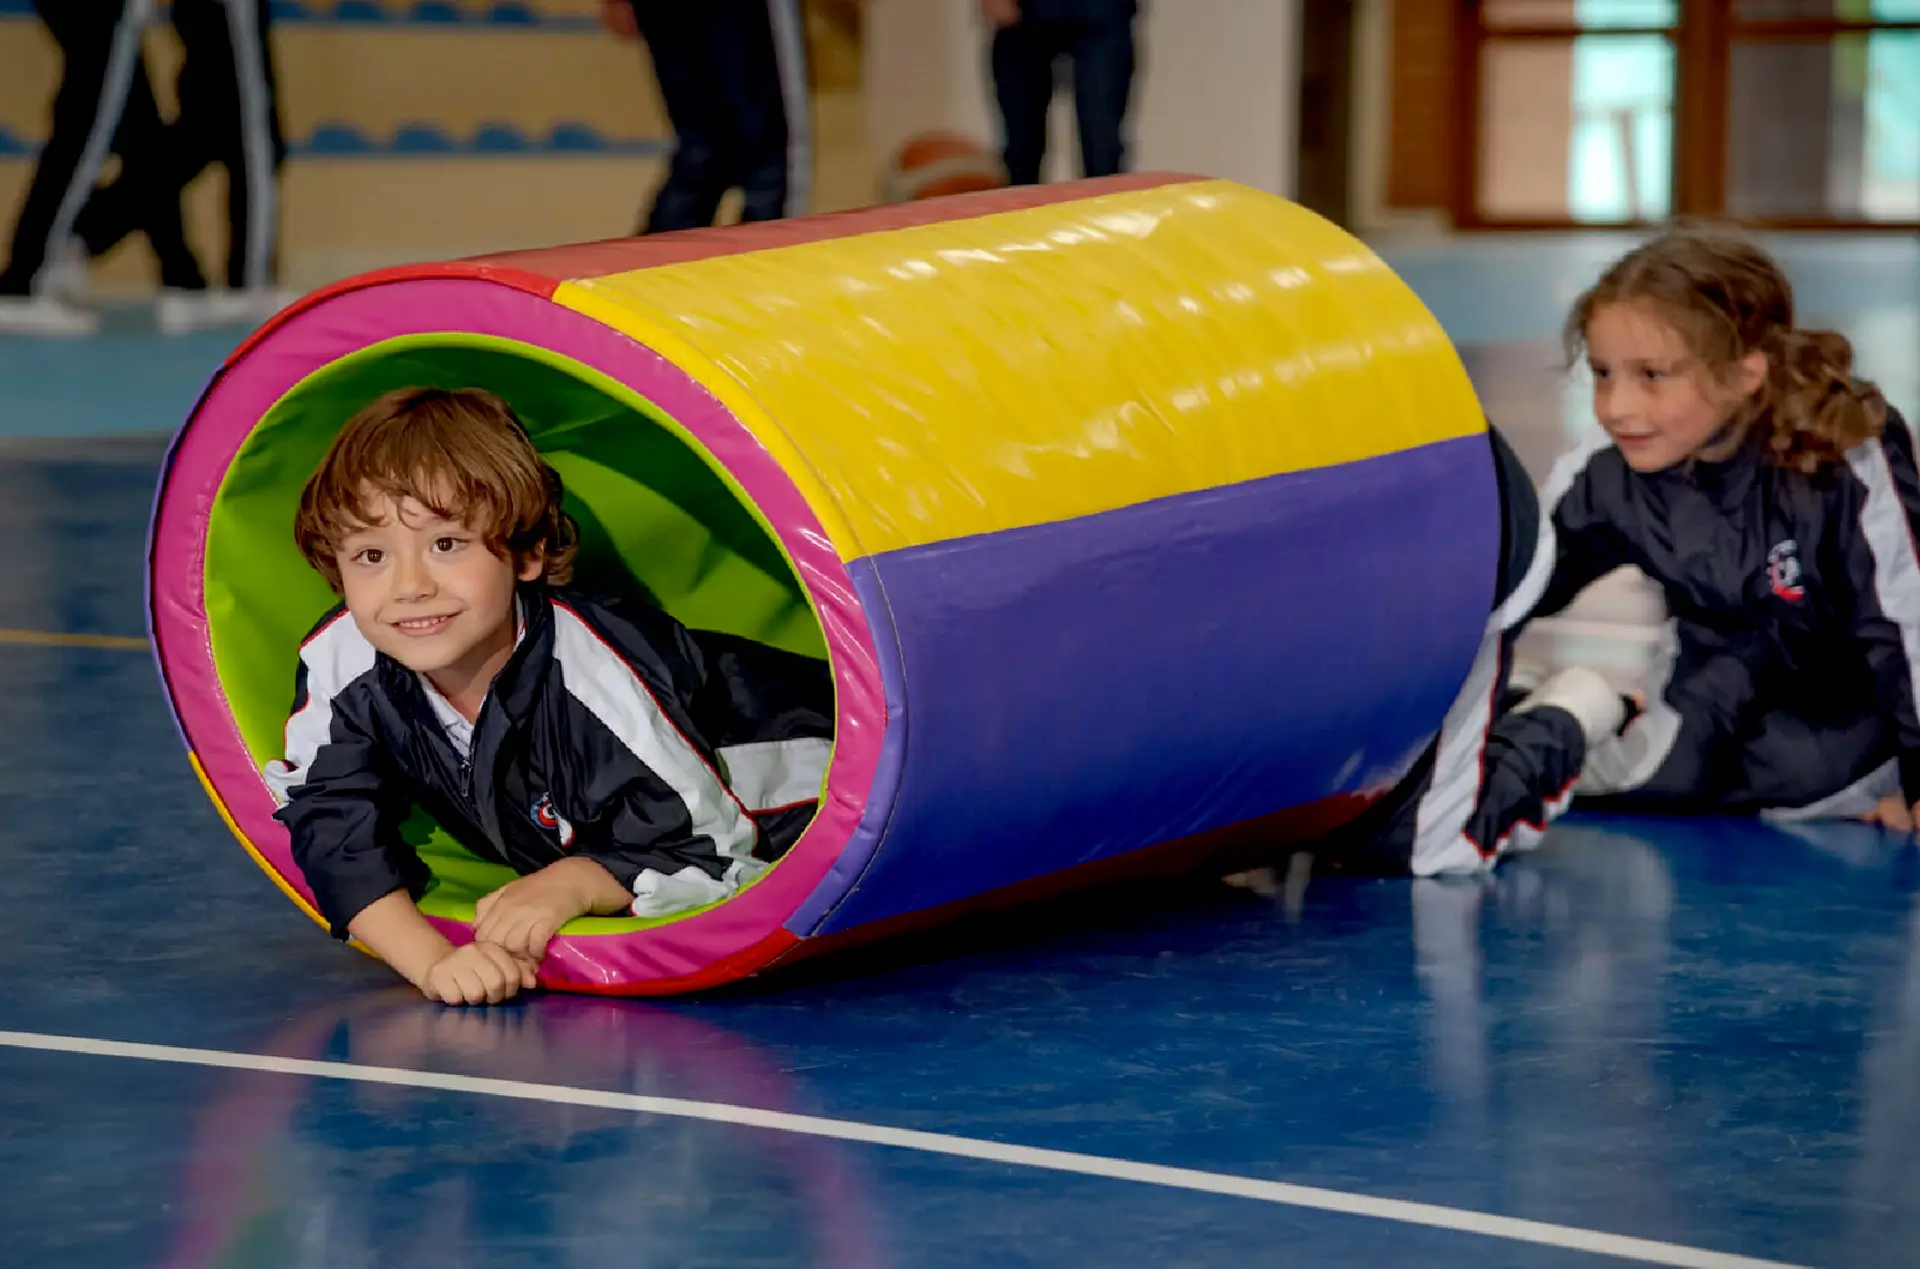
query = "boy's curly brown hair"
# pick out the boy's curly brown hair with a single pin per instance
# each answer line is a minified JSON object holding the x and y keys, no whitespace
{"x":459,"y":452}
{"x":1727,"y":297}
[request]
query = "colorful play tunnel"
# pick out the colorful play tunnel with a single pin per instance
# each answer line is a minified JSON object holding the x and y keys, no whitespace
{"x":1139,"y":520}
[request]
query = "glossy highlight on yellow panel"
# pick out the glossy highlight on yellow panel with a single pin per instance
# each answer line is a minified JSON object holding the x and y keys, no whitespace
{"x":1033,"y":366}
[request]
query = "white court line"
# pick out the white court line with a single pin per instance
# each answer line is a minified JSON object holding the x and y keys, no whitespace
{"x":1539,"y":1232}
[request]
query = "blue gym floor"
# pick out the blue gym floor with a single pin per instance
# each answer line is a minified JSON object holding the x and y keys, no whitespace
{"x":1678,"y":1043}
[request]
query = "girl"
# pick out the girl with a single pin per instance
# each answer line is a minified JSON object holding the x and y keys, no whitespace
{"x":1772,"y":496}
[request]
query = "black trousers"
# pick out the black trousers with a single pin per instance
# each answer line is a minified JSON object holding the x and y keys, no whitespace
{"x":1493,"y":779}
{"x":229,"y":114}
{"x":104,"y":104}
{"x":1100,"y":46}
{"x":733,"y":78}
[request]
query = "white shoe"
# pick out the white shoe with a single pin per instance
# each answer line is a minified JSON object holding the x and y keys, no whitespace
{"x":1591,"y":700}
{"x":183,"y":312}
{"x":45,"y":315}
{"x":66,"y":275}
{"x":266,"y":301}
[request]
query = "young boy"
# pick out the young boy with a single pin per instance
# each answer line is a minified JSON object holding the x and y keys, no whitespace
{"x":581,"y":746}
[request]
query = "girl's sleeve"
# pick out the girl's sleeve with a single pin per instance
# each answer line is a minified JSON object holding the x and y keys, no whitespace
{"x":1879,"y":513}
{"x":1579,"y":539}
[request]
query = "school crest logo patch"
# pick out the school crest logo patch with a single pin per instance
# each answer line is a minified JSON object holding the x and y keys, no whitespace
{"x":1783,"y":571}
{"x":549,"y":819}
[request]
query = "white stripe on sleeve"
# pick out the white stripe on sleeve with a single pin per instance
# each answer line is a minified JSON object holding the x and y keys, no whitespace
{"x":774,"y":773}
{"x":1896,"y":569}
{"x":334,"y":658}
{"x":607,"y":687}
{"x":1439,"y":842}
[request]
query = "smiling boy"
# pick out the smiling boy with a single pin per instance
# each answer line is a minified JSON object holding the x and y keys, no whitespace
{"x":581,"y":746}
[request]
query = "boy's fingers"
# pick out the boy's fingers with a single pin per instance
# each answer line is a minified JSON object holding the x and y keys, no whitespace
{"x":479,"y":989}
{"x":492,"y":981}
{"x":533,"y":940}
{"x":516,"y":970}
{"x":501,"y":939}
{"x":503,"y":959}
{"x":487,"y":956}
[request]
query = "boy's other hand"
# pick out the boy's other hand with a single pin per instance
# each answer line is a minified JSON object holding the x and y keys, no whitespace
{"x":477,"y":974}
{"x":523,"y":916}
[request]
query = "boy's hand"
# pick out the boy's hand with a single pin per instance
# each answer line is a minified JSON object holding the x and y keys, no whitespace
{"x":523,"y":916}
{"x":477,"y":974}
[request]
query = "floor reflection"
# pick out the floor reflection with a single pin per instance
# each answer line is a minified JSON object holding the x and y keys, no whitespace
{"x":298,"y":1172}
{"x":1634,"y":1014}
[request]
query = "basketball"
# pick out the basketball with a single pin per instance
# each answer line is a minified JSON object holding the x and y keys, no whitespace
{"x":936,"y":164}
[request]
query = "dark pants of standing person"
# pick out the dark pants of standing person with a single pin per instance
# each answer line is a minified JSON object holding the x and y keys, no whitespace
{"x":104,"y":104}
{"x":1096,"y":37}
{"x":229,"y":114}
{"x":732,"y":74}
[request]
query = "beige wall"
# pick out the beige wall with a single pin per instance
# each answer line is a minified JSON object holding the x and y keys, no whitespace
{"x":1217,"y":90}
{"x":1526,"y":130}
{"x":1217,"y":94}
{"x":342,"y":215}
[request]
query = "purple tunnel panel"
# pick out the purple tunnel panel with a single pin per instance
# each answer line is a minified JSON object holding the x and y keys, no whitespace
{"x":1079,"y":690}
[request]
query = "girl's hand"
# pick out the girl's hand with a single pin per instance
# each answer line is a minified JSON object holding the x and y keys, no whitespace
{"x":1893,"y":813}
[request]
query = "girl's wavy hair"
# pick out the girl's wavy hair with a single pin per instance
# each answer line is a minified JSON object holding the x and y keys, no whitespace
{"x":1727,"y":298}
{"x":461,"y":453}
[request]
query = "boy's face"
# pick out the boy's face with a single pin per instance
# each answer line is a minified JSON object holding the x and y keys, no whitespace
{"x":428,"y":593}
{"x":1657,"y":402}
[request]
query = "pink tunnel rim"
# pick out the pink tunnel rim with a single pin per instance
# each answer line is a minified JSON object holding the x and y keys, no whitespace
{"x":716,"y":945}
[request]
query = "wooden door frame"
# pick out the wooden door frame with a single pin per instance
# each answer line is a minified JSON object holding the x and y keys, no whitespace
{"x":1703,"y":42}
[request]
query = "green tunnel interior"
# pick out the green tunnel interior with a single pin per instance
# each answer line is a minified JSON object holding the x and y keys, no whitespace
{"x":659,"y":519}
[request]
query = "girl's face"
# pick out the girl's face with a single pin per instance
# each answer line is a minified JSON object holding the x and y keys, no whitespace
{"x":1656,"y":399}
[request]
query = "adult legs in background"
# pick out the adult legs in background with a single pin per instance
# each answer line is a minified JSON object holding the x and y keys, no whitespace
{"x":1102,"y":50}
{"x":229,"y":114}
{"x":769,"y":99}
{"x":100,"y":45}
{"x":703,"y":163}
{"x":732,"y":76}
{"x":1022,"y":58}
{"x":1097,"y":36}
{"x":142,"y":198}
